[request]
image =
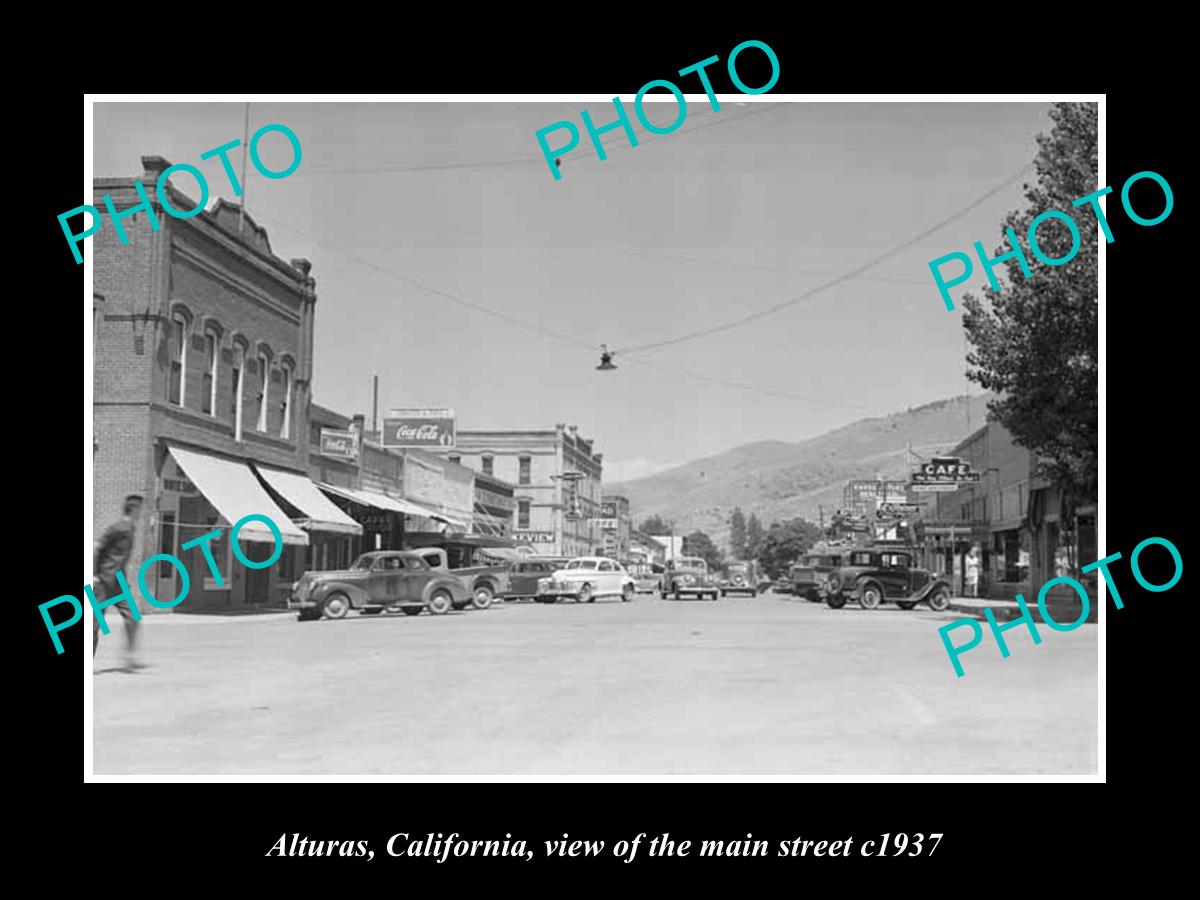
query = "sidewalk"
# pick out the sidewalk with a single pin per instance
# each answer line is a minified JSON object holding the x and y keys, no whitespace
{"x":1062,"y":609}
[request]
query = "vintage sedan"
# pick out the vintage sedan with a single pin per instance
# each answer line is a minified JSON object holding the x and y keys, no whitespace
{"x":587,"y":578}
{"x":875,"y":575}
{"x":741,"y":578}
{"x":688,"y":576}
{"x":378,"y":581}
{"x":526,"y":573}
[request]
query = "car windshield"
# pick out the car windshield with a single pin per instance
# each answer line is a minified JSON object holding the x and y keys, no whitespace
{"x":737,"y":569}
{"x":690,"y":564}
{"x":363,"y":562}
{"x":581,"y":564}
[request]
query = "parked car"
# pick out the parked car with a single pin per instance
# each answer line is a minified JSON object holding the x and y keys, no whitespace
{"x":805,"y":572}
{"x":782,"y":585}
{"x":524,"y":575}
{"x":741,"y":578}
{"x":484,"y":582}
{"x":585,"y":579}
{"x":688,"y":576}
{"x":378,"y":581}
{"x":647,"y":577}
{"x":875,"y":575}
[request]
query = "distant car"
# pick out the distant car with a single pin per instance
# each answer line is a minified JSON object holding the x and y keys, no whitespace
{"x":378,"y":581}
{"x":688,"y":576}
{"x":741,"y":578}
{"x":804,"y":574}
{"x":875,"y":575}
{"x":647,"y":577}
{"x":526,"y":573}
{"x":782,"y":585}
{"x":585,"y":579}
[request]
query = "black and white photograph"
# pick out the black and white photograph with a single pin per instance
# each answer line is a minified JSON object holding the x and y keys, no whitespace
{"x":677,"y":437}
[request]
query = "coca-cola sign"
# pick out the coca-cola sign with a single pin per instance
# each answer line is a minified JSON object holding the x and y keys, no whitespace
{"x":430,"y":428}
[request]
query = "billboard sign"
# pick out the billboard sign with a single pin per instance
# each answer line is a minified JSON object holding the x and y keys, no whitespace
{"x":429,"y":428}
{"x":340,"y":444}
{"x":605,"y":524}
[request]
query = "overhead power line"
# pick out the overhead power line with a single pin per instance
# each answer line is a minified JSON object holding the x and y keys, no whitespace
{"x":503,"y":163}
{"x":833,"y":282}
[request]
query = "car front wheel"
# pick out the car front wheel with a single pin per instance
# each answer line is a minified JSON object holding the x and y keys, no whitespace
{"x":627,"y":593}
{"x":939,"y":599}
{"x":585,"y":594}
{"x":336,"y":606}
{"x":836,"y":601}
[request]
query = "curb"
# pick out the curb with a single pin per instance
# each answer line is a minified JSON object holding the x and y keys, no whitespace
{"x":1062,"y":611}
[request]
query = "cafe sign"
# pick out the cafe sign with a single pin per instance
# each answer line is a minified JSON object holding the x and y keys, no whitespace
{"x":428,"y":428}
{"x":943,"y":473}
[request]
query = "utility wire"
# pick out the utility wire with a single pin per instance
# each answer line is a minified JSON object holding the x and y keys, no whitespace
{"x":555,"y":335}
{"x":771,"y":310}
{"x":521,"y":161}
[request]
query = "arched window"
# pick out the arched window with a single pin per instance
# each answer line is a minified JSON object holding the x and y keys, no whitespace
{"x":525,"y":464}
{"x":208,"y":395}
{"x":177,"y":378}
{"x":286,"y":367}
{"x":240,"y":348}
{"x":264,"y":374}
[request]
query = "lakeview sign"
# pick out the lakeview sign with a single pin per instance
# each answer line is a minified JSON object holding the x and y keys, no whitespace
{"x":429,"y":428}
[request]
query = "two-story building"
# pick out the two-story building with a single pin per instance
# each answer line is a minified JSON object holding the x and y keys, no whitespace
{"x":557,"y":478}
{"x":203,"y":372}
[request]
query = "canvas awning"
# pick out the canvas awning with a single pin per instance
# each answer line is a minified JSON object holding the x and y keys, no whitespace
{"x":380,"y":501}
{"x":235,"y":493}
{"x":319,"y":513}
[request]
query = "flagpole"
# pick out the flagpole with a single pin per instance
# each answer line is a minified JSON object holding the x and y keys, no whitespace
{"x":245,"y":187}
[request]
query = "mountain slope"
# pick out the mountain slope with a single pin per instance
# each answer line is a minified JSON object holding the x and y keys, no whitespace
{"x":780,"y":480}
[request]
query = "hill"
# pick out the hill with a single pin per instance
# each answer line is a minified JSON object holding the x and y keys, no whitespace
{"x":780,"y":480}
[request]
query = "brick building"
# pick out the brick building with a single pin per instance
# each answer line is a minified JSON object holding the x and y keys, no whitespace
{"x":203,"y":371}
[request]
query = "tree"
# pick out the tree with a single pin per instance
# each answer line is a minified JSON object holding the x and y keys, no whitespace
{"x":1035,"y":343}
{"x":657,"y":525}
{"x":754,"y":537}
{"x":785,"y":542}
{"x":700,"y":544}
{"x":737,"y":533}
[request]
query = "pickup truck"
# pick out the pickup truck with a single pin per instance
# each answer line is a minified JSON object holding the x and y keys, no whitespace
{"x":484,"y":583}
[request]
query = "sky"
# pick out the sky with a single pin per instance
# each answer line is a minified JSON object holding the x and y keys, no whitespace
{"x":414,"y":215}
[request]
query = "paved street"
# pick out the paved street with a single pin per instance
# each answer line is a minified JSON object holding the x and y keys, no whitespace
{"x":770,"y":688}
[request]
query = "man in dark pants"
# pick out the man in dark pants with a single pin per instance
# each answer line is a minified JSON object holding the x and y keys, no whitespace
{"x":112,"y":552}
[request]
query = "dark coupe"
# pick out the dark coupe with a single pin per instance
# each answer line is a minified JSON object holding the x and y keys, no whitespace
{"x":873,"y":576}
{"x":378,"y":581}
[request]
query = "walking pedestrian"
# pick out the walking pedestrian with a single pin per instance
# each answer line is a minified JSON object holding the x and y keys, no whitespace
{"x":112,"y":552}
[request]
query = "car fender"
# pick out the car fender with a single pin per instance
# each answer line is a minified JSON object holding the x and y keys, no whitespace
{"x":458,"y":590}
{"x":358,"y":597}
{"x":929,"y":588}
